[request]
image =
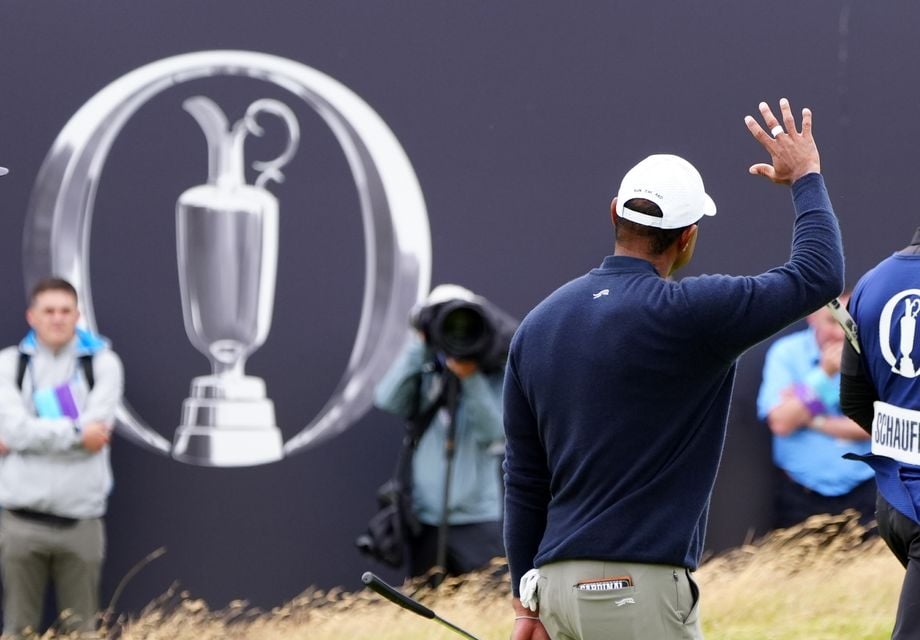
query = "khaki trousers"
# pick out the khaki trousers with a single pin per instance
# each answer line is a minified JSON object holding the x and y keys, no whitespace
{"x":33,"y":552}
{"x":661,"y":604}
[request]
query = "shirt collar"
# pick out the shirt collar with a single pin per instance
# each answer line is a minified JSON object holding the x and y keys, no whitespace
{"x":83,"y":343}
{"x":915,"y":241}
{"x":914,"y":247}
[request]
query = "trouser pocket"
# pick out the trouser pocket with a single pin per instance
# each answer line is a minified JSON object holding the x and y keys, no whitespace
{"x":687,"y":596}
{"x":601,"y":611}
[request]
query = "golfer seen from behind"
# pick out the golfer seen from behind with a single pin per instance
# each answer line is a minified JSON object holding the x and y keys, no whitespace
{"x":617,"y":393}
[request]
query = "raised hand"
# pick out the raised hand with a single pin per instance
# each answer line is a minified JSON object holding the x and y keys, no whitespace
{"x":793,"y":153}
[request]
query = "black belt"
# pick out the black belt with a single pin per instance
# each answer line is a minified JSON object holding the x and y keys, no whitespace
{"x":45,"y":518}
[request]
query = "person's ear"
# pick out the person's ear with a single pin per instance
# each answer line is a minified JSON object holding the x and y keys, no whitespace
{"x":685,"y":245}
{"x":613,"y":211}
{"x":687,"y":237}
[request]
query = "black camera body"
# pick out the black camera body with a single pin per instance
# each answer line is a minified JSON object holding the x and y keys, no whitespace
{"x":468,"y":328}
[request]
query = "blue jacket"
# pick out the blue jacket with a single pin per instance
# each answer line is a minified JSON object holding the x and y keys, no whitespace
{"x":890,"y":360}
{"x":475,"y":490}
{"x":617,"y":395}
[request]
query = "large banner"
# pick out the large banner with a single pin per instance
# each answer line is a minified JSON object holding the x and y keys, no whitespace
{"x":227,"y":246}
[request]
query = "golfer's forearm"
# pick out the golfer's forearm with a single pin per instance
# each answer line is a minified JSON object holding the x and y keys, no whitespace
{"x":524,"y":527}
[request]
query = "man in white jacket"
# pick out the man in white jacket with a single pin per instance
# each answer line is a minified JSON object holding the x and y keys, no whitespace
{"x":59,"y":389}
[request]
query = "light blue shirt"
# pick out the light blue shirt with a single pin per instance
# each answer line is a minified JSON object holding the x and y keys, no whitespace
{"x":811,"y":458}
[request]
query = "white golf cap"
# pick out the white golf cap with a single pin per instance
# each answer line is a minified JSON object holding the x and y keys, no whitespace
{"x":670,"y":182}
{"x":4,"y":171}
{"x":445,"y":292}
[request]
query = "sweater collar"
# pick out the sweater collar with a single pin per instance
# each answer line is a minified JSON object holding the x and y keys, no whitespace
{"x":626,"y":263}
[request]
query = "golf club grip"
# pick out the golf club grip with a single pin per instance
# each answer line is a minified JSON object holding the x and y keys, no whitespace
{"x":394,"y":596}
{"x":846,"y":322}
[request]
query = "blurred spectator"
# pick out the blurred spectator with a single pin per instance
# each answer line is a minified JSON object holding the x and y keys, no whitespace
{"x":59,"y":389}
{"x":799,"y":400}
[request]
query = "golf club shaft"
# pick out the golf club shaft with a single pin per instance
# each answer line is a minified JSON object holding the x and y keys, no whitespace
{"x":382,"y":588}
{"x":454,"y":627}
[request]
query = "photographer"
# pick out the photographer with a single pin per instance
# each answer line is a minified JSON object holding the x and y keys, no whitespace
{"x":451,"y":375}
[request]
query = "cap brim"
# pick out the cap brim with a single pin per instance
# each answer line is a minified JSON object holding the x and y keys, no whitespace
{"x":709,"y":206}
{"x":4,"y":171}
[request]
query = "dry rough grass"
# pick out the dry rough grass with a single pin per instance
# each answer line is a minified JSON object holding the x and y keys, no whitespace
{"x":820,"y":581}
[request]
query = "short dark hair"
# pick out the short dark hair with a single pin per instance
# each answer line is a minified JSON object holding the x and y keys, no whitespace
{"x":658,"y":239}
{"x":51,"y":284}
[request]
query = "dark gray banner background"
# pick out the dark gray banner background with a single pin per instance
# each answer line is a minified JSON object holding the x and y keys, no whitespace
{"x":519,"y":118}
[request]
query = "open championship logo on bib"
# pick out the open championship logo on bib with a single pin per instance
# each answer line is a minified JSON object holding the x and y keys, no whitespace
{"x":897,"y":332}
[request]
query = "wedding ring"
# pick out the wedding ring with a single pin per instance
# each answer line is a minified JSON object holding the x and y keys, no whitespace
{"x":778,"y":129}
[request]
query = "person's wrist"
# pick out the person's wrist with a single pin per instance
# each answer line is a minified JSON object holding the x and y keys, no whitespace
{"x":809,"y":398}
{"x":814,"y":169}
{"x":520,"y":611}
{"x":824,"y":386}
{"x":818,"y":423}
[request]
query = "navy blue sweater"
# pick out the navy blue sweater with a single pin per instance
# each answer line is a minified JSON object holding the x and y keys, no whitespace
{"x":617,"y":393}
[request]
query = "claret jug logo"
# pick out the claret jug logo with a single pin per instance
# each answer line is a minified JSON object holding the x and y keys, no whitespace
{"x":228,"y":418}
{"x":897,"y":333}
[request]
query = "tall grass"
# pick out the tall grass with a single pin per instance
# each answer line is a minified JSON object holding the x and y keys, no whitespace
{"x":820,"y":581}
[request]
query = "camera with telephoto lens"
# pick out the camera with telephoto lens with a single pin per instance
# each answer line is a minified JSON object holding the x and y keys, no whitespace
{"x":466,"y":327}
